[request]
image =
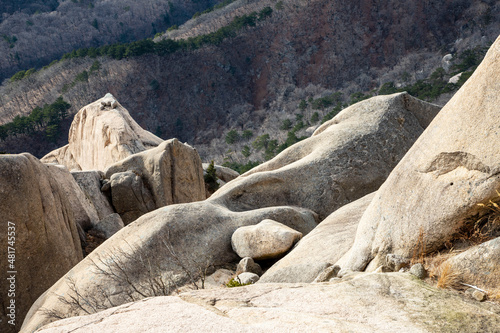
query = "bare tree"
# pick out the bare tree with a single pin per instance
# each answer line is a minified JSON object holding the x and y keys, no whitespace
{"x":131,"y":275}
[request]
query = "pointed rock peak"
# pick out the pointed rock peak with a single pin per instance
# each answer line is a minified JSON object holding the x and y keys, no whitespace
{"x":98,"y":139}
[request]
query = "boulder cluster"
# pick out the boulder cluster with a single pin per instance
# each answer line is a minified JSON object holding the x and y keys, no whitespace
{"x":336,"y":233}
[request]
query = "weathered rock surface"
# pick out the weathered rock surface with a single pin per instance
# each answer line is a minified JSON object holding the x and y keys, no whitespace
{"x":451,"y":168}
{"x":110,"y":225}
{"x":197,"y":234}
{"x":346,"y":158}
{"x":170,"y":173}
{"x":39,"y":220}
{"x":322,"y":247}
{"x":90,"y":183}
{"x":367,"y":303}
{"x":248,"y":265}
{"x":62,"y":156}
{"x":247,"y":278}
{"x":395,"y":262}
{"x":266,"y":240}
{"x":99,"y":138}
{"x":327,"y":274}
{"x":479,"y":265}
{"x":418,"y":270}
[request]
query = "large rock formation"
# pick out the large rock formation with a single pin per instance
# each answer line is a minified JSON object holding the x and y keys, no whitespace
{"x":145,"y":172}
{"x":346,"y":158}
{"x":168,"y":174}
{"x":101,"y":135}
{"x":452,"y":167}
{"x":322,"y":247}
{"x":163,"y":248}
{"x":39,"y":233}
{"x":367,"y":303}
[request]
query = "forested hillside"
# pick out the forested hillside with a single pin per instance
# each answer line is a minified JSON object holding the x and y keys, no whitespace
{"x":35,"y":32}
{"x":242,"y":82}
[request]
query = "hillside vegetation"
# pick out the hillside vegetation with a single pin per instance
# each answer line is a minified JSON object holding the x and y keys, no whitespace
{"x":36,"y":32}
{"x":235,"y":70}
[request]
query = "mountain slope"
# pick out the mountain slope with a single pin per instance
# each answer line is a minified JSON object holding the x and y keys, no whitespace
{"x":304,"y":51}
{"x":37,"y":32}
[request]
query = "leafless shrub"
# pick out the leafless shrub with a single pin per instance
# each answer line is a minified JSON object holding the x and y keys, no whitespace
{"x":128,"y":275}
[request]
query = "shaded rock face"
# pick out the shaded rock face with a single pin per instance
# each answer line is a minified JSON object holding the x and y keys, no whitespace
{"x":130,"y":198}
{"x":346,"y":158}
{"x":195,"y":234}
{"x":451,"y":168}
{"x":110,"y":225}
{"x":83,"y":209}
{"x":100,"y":137}
{"x":247,"y":264}
{"x":266,"y":240}
{"x":368,"y":303}
{"x":168,"y":174}
{"x":322,"y":247}
{"x":36,"y":212}
{"x":224,"y":174}
{"x":90,"y":183}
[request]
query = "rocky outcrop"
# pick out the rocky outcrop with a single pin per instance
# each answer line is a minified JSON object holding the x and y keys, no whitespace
{"x":451,"y":168}
{"x":322,"y":247}
{"x":304,"y":181}
{"x":100,"y":137}
{"x":266,"y":240}
{"x":168,"y":174}
{"x":39,"y":232}
{"x":392,"y":302}
{"x":346,"y":158}
{"x":177,"y":239}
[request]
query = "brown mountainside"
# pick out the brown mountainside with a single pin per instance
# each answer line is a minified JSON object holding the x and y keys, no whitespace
{"x":305,"y":49}
{"x":36,"y":32}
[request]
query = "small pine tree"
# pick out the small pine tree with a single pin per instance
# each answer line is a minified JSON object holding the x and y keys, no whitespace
{"x":211,"y":178}
{"x":246,"y":151}
{"x":302,"y":105}
{"x":232,"y":137}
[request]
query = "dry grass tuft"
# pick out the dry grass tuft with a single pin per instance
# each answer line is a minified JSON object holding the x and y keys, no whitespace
{"x":448,"y":278}
{"x":432,"y":263}
{"x":483,"y":227}
{"x":494,"y":295}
